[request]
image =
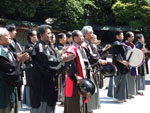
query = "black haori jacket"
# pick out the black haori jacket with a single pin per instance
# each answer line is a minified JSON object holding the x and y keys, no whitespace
{"x":10,"y":77}
{"x":45,"y":66}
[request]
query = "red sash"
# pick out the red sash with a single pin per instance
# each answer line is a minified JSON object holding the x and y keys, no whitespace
{"x":69,"y":83}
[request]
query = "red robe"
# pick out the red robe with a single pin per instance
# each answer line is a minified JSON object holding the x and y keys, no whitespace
{"x":69,"y":83}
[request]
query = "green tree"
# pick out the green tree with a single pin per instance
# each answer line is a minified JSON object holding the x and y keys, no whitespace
{"x":69,"y":14}
{"x":73,"y":14}
{"x":17,"y":9}
{"x":104,"y":12}
{"x":132,"y":13}
{"x":37,"y":10}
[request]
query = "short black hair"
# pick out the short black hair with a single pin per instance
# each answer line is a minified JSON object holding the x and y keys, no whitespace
{"x":69,"y":34}
{"x":75,"y":33}
{"x":41,"y":29}
{"x":30,"y":33}
{"x":118,"y":32}
{"x":60,"y":35}
{"x":138,"y":36}
{"x":128,"y":34}
{"x":10,"y":27}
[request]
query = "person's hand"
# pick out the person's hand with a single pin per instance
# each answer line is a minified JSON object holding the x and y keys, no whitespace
{"x":98,"y":42}
{"x":29,"y":49}
{"x":124,"y":62}
{"x":79,"y":79}
{"x":102,"y":62}
{"x":144,"y":50}
{"x":66,"y":57}
{"x":107,"y":46}
{"x":22,"y":57}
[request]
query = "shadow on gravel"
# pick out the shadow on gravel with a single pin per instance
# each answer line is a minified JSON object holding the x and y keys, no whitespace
{"x":108,"y":100}
{"x":147,"y":82}
{"x":24,"y":109}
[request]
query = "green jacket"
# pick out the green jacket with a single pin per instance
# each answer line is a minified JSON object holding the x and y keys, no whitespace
{"x":6,"y":91}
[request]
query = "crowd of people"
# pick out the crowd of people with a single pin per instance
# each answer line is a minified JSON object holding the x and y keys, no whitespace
{"x":63,"y":68}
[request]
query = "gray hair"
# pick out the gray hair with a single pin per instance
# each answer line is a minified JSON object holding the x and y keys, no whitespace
{"x":86,"y":29}
{"x":3,"y":31}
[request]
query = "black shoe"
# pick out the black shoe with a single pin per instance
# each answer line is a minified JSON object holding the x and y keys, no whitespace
{"x":140,"y":93}
{"x":106,"y":88}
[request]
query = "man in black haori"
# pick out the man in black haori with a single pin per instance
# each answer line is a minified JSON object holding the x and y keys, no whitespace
{"x":10,"y":74}
{"x":93,"y":57}
{"x":140,"y":44}
{"x":32,"y":40}
{"x":131,"y":75}
{"x":45,"y":66}
{"x":118,"y":85}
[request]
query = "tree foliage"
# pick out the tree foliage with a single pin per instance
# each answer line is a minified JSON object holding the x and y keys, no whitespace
{"x":18,"y":8}
{"x":37,"y":10}
{"x":73,"y":15}
{"x":132,"y":13}
{"x":104,"y":12}
{"x":68,"y":13}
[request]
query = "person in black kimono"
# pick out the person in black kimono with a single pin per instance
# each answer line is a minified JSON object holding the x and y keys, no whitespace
{"x":74,"y":75}
{"x":141,"y":70}
{"x":10,"y":75}
{"x":61,"y":41}
{"x":45,"y":66}
{"x":32,"y":40}
{"x":93,"y":57}
{"x":131,"y":75}
{"x":103,"y":51}
{"x":15,"y":47}
{"x":118,"y":89}
{"x":17,"y":50}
